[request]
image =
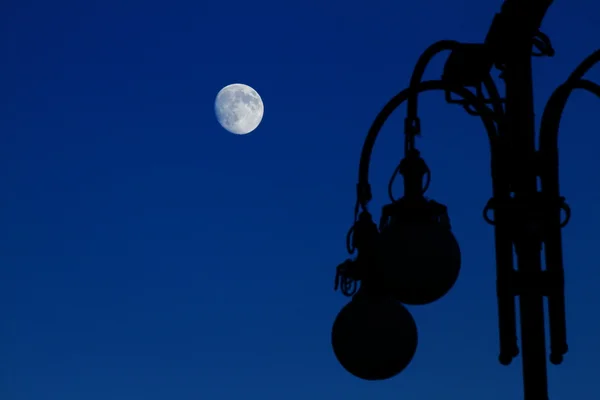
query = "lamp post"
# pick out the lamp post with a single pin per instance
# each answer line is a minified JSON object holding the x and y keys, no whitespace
{"x":412,"y":258}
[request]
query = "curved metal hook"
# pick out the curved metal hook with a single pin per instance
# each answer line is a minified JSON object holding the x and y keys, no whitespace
{"x":363,"y":187}
{"x":492,"y":90}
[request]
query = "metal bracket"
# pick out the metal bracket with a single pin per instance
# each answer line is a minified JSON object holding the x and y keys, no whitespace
{"x":468,"y":65}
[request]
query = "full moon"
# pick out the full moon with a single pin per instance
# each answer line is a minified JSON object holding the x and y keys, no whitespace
{"x":239,"y":108}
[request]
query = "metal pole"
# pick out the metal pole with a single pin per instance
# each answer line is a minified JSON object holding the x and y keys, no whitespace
{"x":522,"y":164}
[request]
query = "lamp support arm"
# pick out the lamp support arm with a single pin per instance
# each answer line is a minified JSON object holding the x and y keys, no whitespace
{"x":487,"y":117}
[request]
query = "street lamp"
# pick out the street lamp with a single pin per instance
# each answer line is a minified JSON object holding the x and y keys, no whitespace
{"x":412,"y":258}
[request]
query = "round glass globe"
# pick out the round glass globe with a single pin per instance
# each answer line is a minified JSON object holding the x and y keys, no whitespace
{"x":421,"y":262}
{"x":374,"y":338}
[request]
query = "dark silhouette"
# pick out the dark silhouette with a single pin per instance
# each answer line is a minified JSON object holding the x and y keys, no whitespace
{"x":412,"y":256}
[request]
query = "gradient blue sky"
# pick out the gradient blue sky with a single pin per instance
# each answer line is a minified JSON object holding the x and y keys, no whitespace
{"x":146,"y":253}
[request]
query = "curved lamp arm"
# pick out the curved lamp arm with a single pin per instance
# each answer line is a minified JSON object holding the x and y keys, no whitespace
{"x":585,"y":66}
{"x":417,"y":76}
{"x":363,"y":187}
{"x":553,"y":113}
{"x":555,"y":106}
{"x":412,"y":125}
{"x":549,"y":177}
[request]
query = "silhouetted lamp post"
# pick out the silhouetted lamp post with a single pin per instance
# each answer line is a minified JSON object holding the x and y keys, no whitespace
{"x":413,"y":258}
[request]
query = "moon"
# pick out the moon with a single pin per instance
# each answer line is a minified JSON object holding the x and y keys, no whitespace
{"x":239,"y":108}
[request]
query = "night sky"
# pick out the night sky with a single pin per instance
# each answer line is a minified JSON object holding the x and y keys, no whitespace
{"x":146,"y":253}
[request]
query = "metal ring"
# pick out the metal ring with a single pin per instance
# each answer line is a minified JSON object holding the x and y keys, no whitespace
{"x":489,"y":206}
{"x":565,"y":207}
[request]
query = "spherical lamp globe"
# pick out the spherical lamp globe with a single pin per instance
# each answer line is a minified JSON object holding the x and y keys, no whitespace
{"x":374,"y":337}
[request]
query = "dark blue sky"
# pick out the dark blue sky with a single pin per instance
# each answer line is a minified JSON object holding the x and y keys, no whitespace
{"x":146,"y":253}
